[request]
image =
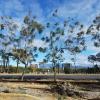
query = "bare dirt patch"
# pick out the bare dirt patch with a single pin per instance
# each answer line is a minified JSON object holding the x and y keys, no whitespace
{"x":37,"y":91}
{"x":12,"y":96}
{"x":19,"y":91}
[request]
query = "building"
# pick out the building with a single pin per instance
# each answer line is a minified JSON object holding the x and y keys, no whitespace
{"x":34,"y":66}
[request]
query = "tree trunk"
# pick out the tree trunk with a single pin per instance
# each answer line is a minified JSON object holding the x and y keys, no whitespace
{"x":75,"y":67}
{"x":75,"y":63}
{"x":58,"y":68}
{"x":17,"y":66}
{"x":3,"y":65}
{"x":1,"y":68}
{"x":54,"y":72}
{"x":22,"y":77}
{"x":8,"y":66}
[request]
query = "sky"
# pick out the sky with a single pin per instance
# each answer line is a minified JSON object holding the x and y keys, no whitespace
{"x":82,"y":10}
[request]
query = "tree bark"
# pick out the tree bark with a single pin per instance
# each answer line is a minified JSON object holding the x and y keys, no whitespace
{"x":58,"y":68}
{"x":17,"y":66}
{"x":6,"y":68}
{"x":3,"y":65}
{"x":22,"y":78}
{"x":54,"y":66}
{"x":54,"y":74}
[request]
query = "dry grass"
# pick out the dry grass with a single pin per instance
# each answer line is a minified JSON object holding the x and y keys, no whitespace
{"x":25,"y":85}
{"x":33,"y":86}
{"x":37,"y":92}
{"x":12,"y":96}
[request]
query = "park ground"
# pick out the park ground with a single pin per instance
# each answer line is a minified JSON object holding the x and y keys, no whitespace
{"x":66,"y":90}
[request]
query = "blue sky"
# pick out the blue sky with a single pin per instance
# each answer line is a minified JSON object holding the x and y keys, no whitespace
{"x":82,"y":10}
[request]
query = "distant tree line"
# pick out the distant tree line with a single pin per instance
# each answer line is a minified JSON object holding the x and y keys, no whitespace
{"x":85,"y":70}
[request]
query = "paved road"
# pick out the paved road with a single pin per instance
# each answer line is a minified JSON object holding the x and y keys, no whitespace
{"x":64,"y":77}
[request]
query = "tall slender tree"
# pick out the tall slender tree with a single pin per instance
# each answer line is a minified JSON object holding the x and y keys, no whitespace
{"x":94,"y":32}
{"x":75,"y":41}
{"x":8,"y":27}
{"x":53,"y":40}
{"x":28,"y":34}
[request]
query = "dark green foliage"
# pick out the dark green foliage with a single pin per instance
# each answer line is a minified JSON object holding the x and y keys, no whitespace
{"x":92,"y":58}
{"x":43,"y":50}
{"x":94,"y":31}
{"x":12,"y":69}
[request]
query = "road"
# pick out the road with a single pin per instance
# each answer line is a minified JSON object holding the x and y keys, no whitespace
{"x":63,"y":77}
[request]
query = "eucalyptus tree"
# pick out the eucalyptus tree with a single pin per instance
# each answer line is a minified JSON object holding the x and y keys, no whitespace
{"x":5,"y":55}
{"x":15,"y":51}
{"x":53,"y":49}
{"x":60,"y":60}
{"x":1,"y":51}
{"x":8,"y":27}
{"x":94,"y":32}
{"x":53,"y":39}
{"x":29,"y":30}
{"x":75,"y":40}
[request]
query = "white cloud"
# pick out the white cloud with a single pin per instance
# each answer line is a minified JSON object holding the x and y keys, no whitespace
{"x":18,"y":9}
{"x":39,"y":43}
{"x":82,"y":60}
{"x":81,"y":9}
{"x":11,"y":7}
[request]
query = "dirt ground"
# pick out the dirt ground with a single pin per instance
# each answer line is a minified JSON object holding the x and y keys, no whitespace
{"x":12,"y":96}
{"x":35,"y":91}
{"x":25,"y":91}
